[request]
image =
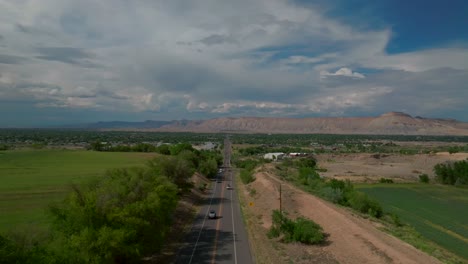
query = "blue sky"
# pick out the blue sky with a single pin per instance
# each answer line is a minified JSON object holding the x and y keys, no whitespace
{"x":64,"y":61}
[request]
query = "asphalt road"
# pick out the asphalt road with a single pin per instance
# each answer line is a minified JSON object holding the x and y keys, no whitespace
{"x":220,"y":240}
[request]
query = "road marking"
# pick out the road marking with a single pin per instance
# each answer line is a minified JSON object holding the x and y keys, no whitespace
{"x":203,"y":224}
{"x":233,"y":227}
{"x":220,"y":210}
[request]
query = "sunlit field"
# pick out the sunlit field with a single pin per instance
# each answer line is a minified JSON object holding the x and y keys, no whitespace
{"x":440,"y":213}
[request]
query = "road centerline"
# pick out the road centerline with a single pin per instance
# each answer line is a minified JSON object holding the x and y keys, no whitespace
{"x":220,"y":210}
{"x":203,"y":224}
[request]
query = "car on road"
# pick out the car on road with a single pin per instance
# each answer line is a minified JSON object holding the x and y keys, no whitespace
{"x":212,"y":214}
{"x":229,"y":187}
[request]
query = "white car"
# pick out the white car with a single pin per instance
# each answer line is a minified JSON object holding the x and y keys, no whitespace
{"x":212,"y":214}
{"x":229,"y":187}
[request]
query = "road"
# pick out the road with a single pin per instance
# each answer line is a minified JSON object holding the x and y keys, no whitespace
{"x":220,"y":240}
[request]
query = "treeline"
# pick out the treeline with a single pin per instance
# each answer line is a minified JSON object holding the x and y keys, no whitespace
{"x":455,"y":173}
{"x":117,"y":218}
{"x":302,"y":140}
{"x":164,"y":149}
{"x":70,"y":136}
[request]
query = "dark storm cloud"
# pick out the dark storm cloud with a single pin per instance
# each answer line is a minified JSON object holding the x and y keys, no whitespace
{"x":76,"y":56}
{"x":11,"y":59}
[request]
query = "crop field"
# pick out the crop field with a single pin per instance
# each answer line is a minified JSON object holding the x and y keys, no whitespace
{"x":31,"y":179}
{"x":440,"y":213}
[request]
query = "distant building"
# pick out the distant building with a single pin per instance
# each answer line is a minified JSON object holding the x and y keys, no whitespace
{"x":274,"y":156}
{"x":297,"y":154}
{"x":206,"y":146}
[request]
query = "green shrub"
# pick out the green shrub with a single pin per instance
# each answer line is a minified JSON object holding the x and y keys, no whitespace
{"x":385,"y":180}
{"x":396,"y":220}
{"x":307,"y":232}
{"x":364,"y":204}
{"x":332,"y":195}
{"x":302,"y":230}
{"x":424,"y":178}
{"x":273,"y":232}
{"x":246,"y":176}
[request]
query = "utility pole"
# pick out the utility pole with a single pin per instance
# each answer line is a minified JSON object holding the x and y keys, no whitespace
{"x":281,"y":211}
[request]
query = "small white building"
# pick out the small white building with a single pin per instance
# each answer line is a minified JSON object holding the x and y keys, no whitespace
{"x":274,"y":156}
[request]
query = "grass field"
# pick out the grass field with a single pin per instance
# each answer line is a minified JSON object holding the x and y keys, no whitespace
{"x":439,"y":213}
{"x":32,"y":179}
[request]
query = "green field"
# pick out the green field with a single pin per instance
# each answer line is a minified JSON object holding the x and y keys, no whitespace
{"x":439,"y":213}
{"x":32,"y":179}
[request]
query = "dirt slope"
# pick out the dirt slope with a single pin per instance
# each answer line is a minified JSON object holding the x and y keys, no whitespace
{"x":351,"y":239}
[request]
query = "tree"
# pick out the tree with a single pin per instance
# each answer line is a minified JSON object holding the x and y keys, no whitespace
{"x":208,"y":167}
{"x":176,"y":149}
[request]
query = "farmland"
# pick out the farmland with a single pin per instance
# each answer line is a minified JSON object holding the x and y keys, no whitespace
{"x":32,"y":179}
{"x":438,"y":212}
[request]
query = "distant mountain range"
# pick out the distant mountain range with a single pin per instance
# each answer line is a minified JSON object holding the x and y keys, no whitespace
{"x":393,"y":123}
{"x":148,"y":124}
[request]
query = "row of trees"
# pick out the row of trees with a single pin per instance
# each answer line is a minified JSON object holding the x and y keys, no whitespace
{"x":455,"y":173}
{"x":117,"y":218}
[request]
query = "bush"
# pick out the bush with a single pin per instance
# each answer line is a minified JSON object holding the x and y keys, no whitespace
{"x":396,"y":220}
{"x":248,"y":164}
{"x":307,"y":174}
{"x":332,"y":195}
{"x":307,"y":232}
{"x":385,"y":180}
{"x":424,"y":178}
{"x":364,"y":204}
{"x":302,"y":230}
{"x":246,"y":176}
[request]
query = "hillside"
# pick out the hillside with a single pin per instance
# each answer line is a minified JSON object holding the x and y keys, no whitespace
{"x":393,"y":123}
{"x":390,"y":123}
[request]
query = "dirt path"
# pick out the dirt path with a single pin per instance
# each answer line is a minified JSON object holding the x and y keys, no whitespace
{"x":351,"y":238}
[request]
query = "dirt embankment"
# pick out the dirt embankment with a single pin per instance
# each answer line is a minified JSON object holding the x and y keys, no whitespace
{"x":351,"y":239}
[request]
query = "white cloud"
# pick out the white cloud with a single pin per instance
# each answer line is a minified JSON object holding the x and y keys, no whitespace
{"x":208,"y":57}
{"x":302,"y":59}
{"x":342,"y":72}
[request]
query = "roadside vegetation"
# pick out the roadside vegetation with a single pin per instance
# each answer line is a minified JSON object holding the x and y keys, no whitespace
{"x":302,"y":172}
{"x":247,"y":167}
{"x":300,"y":230}
{"x":436,"y":212}
{"x":119,"y":217}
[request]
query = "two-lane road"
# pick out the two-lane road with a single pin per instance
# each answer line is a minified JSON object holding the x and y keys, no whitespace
{"x":220,"y":240}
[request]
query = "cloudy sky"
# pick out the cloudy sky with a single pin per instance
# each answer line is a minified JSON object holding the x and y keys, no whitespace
{"x":77,"y":61}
